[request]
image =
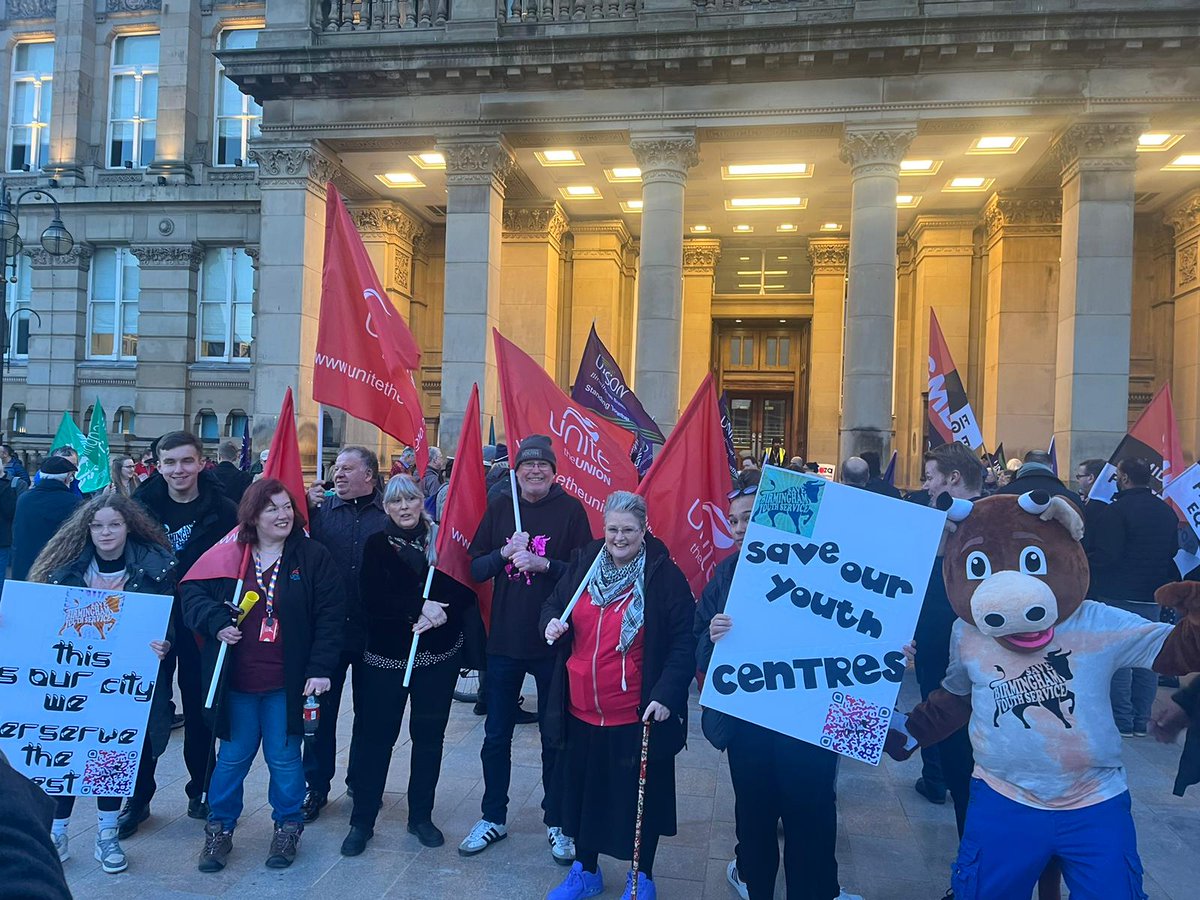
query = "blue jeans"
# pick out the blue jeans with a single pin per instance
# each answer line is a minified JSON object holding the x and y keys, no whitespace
{"x":1133,"y":690}
{"x":255,"y":719}
{"x":503,"y":686}
{"x":1006,"y":845}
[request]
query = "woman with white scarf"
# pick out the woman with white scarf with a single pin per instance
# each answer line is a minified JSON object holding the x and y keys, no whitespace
{"x":625,"y":658}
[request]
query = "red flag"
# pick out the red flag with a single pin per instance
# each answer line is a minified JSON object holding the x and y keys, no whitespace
{"x":465,"y":502}
{"x":950,"y":415}
{"x":687,"y":488}
{"x":593,"y":454}
{"x":1155,"y":438}
{"x":225,"y":559}
{"x":364,"y":349}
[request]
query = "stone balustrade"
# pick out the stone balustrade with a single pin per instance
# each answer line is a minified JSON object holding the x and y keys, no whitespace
{"x":337,"y":16}
{"x":516,"y":11}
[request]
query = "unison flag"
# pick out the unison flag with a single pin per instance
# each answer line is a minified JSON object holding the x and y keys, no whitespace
{"x":889,"y":474}
{"x":364,"y":349}
{"x":593,"y":453}
{"x":727,"y":431}
{"x":1155,"y":438}
{"x":244,"y":457}
{"x":600,"y":386}
{"x":687,"y":489}
{"x":950,"y":415}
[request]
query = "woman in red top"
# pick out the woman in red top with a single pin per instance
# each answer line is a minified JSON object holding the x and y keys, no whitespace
{"x":625,"y":658}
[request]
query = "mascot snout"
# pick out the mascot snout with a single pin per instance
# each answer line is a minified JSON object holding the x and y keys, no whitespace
{"x":1016,"y":609}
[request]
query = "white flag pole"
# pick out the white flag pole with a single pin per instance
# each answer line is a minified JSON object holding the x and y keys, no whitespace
{"x":320,"y":442}
{"x":587,"y":577}
{"x":516,"y":498}
{"x":412,"y":650}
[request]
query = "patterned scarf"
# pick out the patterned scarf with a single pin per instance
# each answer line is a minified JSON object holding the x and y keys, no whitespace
{"x":610,"y":582}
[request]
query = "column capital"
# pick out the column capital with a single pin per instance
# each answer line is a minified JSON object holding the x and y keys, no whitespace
{"x":387,"y":220}
{"x":79,"y":257}
{"x":477,"y":160}
{"x":875,"y":149}
{"x":1097,"y":146}
{"x":665,"y":155}
{"x":829,"y":256}
{"x":309,"y":165}
{"x":1185,"y":215}
{"x":535,"y":222}
{"x":700,"y":256}
{"x":169,"y":256}
{"x":1029,"y":212}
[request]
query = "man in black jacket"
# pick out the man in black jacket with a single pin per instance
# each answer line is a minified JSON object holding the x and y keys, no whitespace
{"x":40,"y":512}
{"x":29,"y":865}
{"x":195,"y":513}
{"x":8,"y":508}
{"x":524,"y":567}
{"x":1131,"y":552}
{"x":1036,"y":474}
{"x":233,"y":480}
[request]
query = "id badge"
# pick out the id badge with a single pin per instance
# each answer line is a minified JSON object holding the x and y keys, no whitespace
{"x":268,"y":631}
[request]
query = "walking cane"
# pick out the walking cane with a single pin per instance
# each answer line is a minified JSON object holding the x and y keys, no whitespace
{"x":641,"y":805}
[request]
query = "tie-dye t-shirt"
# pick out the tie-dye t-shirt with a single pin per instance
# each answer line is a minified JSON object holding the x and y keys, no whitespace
{"x":1042,"y":723}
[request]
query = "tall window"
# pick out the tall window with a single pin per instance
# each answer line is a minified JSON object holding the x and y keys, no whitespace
{"x":133,"y":101}
{"x":16,"y":419}
{"x":18,"y":297}
{"x":226,"y":304}
{"x":123,"y":420}
{"x":235,"y":423}
{"x":113,"y":305}
{"x":29,"y":117}
{"x":206,"y":426}
{"x":238,"y":116}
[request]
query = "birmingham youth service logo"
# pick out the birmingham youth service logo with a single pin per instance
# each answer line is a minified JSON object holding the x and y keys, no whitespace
{"x":91,"y":609}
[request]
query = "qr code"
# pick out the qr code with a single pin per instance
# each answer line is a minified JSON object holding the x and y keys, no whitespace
{"x":856,"y":728}
{"x":110,"y":773}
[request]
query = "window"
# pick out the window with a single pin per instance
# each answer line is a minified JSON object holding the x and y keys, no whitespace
{"x":18,"y":298}
{"x":123,"y":420}
{"x":133,"y":101}
{"x":226,"y":304}
{"x":16,"y":419}
{"x":235,"y":423}
{"x":778,"y":352}
{"x":113,"y":305}
{"x":741,"y":351}
{"x":29,"y":117}
{"x":206,"y":426}
{"x":238,"y":117}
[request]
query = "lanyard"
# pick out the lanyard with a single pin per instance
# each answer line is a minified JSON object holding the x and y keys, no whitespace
{"x":268,"y":589}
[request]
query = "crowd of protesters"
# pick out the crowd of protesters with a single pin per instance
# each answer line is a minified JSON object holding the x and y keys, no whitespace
{"x":348,"y":596}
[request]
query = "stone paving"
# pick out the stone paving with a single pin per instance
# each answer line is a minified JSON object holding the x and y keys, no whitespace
{"x":892,"y":844}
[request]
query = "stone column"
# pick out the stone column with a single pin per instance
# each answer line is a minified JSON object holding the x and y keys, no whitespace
{"x":73,"y":110}
{"x":181,"y":72}
{"x":1185,"y":383}
{"x":700,"y":257}
{"x":829,"y":257}
{"x":292,"y":177}
{"x":531,"y":279}
{"x":477,"y":167}
{"x":59,"y":342}
{"x":167,"y":311}
{"x":873,"y":154}
{"x":598,"y":285}
{"x":1020,"y":318}
{"x":664,"y":159}
{"x":1091,"y":397}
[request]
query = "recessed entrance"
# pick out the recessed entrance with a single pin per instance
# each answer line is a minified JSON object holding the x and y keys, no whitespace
{"x":763,"y":371}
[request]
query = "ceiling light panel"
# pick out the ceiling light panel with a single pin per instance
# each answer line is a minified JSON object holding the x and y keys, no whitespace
{"x":631,"y":206}
{"x":1157,"y":141}
{"x":552,"y":158}
{"x":968,"y":184}
{"x":736,"y":171}
{"x":623,"y":174}
{"x":579,"y":192}
{"x":1187,"y":162}
{"x":907,"y":201}
{"x":749,"y":203}
{"x":744,"y":229}
{"x":401,"y":180}
{"x":430,"y":160}
{"x":920,"y":166}
{"x":701,"y":229}
{"x":831,"y":226}
{"x":997,"y":144}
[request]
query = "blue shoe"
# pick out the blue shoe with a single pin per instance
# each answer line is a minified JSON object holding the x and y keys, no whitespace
{"x":578,"y":884}
{"x":646,"y":888}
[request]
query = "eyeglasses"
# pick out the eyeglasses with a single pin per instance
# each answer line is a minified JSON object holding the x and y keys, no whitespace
{"x":742,"y":492}
{"x":107,"y":526}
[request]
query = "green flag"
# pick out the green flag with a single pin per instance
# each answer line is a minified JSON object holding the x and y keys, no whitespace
{"x":68,"y":435}
{"x":93,"y":472}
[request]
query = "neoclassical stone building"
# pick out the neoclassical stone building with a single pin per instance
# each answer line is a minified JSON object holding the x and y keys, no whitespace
{"x":778,"y":192}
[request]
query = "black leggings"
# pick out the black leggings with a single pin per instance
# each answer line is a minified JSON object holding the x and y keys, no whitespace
{"x":590,"y":859}
{"x":64,"y":805}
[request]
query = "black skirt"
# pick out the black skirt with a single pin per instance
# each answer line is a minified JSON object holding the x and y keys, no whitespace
{"x":594,"y":794}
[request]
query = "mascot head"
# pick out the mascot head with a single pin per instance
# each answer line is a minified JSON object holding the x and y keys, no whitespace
{"x":1014,"y":567}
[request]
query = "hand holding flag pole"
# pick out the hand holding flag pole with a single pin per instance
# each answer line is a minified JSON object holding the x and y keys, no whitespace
{"x":412,"y":649}
{"x":516,"y":498}
{"x":239,"y":612}
{"x":587,"y":578}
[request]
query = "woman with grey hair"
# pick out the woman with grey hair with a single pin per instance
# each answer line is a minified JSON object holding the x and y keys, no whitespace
{"x":392,"y":578}
{"x":625,"y":658}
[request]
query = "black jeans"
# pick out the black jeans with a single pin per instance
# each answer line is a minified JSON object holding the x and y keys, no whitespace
{"x":503,"y":685}
{"x":955,"y":760}
{"x":383,"y":697}
{"x":320,"y":752}
{"x":64,"y":805}
{"x":778,"y":777}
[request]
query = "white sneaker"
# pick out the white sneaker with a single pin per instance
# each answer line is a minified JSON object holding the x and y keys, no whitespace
{"x":562,"y":848}
{"x":482,"y":836}
{"x":62,"y":846}
{"x":735,"y":880}
{"x":109,"y":853}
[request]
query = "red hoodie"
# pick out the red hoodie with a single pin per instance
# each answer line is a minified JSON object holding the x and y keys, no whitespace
{"x":604,"y":685}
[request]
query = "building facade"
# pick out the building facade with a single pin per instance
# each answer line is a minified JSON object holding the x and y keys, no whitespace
{"x":778,"y":192}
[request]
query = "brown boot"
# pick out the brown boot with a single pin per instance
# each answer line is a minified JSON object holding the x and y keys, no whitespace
{"x":217,"y":844}
{"x":283,"y":845}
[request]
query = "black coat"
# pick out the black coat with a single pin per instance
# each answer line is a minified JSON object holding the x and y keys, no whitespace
{"x":233,"y":480}
{"x":1132,"y":547}
{"x":309,"y":604}
{"x":1040,"y":480}
{"x":8,"y":508}
{"x":343,"y":529}
{"x":216,"y":514}
{"x":668,"y":661}
{"x":1189,"y":760}
{"x":41,"y":510}
{"x":29,"y":866}
{"x":150,"y":569}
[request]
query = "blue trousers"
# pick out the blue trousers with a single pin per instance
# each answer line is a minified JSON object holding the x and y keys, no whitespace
{"x":255,"y":719}
{"x":1006,"y":846}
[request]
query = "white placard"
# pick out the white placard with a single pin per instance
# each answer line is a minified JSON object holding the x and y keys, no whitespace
{"x":827,"y":591}
{"x":76,"y":678}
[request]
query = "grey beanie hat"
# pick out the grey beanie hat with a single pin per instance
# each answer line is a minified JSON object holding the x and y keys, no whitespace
{"x":536,"y":446}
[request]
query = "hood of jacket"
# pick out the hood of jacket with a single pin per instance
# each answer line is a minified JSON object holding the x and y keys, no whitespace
{"x":155,"y":562}
{"x":154,"y":491}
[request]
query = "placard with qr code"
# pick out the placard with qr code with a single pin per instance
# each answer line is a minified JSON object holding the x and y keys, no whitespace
{"x":77,"y":676}
{"x":825,"y":595}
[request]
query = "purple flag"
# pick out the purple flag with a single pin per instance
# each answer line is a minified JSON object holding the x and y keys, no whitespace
{"x":244,"y":461}
{"x":1053,"y":456}
{"x":600,"y":385}
{"x":727,"y":429}
{"x":889,"y":474}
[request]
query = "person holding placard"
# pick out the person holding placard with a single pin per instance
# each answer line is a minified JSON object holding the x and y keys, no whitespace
{"x":395,"y":565}
{"x":285,"y":649}
{"x":625,"y":661}
{"x":111,"y":544}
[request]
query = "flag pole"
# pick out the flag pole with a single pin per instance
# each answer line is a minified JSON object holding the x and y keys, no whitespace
{"x":236,"y":601}
{"x":587,"y":577}
{"x":320,"y":442}
{"x":516,"y":498}
{"x":412,"y":649}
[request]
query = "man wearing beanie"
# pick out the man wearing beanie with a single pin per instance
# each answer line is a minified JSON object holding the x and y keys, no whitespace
{"x":524,"y":566}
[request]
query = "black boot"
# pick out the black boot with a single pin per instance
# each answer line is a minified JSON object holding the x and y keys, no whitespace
{"x":356,"y":841}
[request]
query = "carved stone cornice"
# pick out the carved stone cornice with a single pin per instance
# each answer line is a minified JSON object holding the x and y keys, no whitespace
{"x":1035,"y":214}
{"x":829,"y":256}
{"x":285,"y":166}
{"x":169,"y":256}
{"x":875,"y":151}
{"x":535,"y":223}
{"x":700,"y":256}
{"x":387,"y":221}
{"x":665,"y":157}
{"x":31,"y":9}
{"x":477,"y":161}
{"x":1097,"y":147}
{"x":104,"y":8}
{"x":1185,"y":215}
{"x":79,"y":257}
